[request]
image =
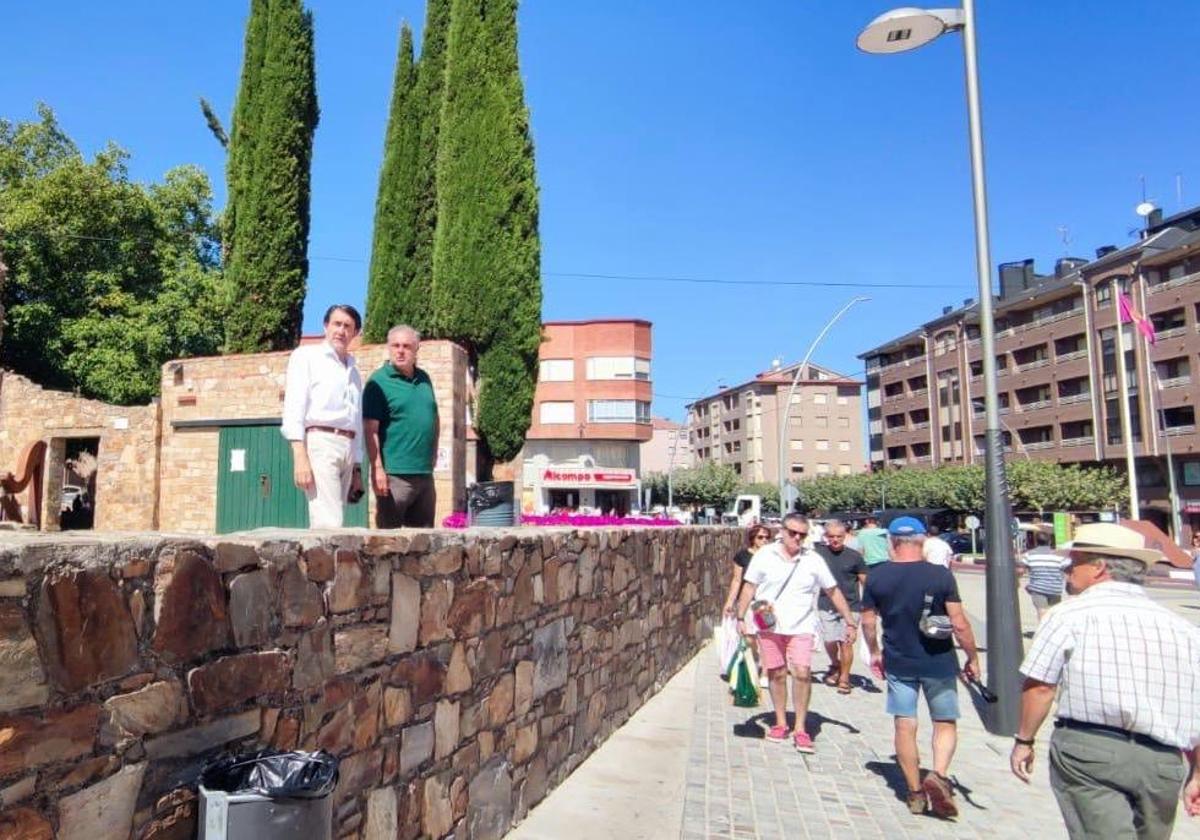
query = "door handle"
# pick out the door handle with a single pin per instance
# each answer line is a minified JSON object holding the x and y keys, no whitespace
{"x":264,"y":485}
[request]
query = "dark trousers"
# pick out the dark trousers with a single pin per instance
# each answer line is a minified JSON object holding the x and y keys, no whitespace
{"x":1111,"y":788}
{"x":410,"y":502}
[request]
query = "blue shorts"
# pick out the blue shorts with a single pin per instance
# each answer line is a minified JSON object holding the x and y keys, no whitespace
{"x":941,"y":696}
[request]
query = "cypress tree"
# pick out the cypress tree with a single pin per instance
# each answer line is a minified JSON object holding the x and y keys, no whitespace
{"x":486,"y":263}
{"x":241,"y":142}
{"x":392,"y":269}
{"x":269,"y":223}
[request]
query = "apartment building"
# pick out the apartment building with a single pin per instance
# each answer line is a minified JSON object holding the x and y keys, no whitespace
{"x":591,"y":414}
{"x":741,"y":425}
{"x":668,"y":447}
{"x":1057,"y":371}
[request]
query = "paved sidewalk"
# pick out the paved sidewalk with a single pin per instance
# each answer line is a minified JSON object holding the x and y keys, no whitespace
{"x":740,"y":785}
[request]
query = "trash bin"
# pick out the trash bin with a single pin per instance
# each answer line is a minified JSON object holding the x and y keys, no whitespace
{"x":268,"y":795}
{"x":490,"y":504}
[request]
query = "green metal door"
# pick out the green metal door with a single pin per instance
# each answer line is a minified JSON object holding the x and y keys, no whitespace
{"x":254,"y":483}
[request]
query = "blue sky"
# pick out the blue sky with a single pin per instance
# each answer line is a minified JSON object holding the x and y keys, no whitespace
{"x":726,"y":141}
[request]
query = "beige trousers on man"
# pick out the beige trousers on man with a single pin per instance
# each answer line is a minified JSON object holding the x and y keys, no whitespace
{"x":332,"y":460}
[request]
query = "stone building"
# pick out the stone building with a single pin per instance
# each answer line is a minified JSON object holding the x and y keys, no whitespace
{"x":207,"y":456}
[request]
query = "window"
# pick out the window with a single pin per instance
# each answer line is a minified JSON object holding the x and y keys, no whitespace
{"x":843,"y":469}
{"x":822,"y":421}
{"x":820,"y":399}
{"x":843,"y":446}
{"x":843,"y":401}
{"x":618,"y":411}
{"x":796,"y":445}
{"x":843,"y":422}
{"x":822,"y":445}
{"x":556,"y":412}
{"x":617,"y":367}
{"x":556,"y":370}
{"x":797,"y":468}
{"x":823,"y":469}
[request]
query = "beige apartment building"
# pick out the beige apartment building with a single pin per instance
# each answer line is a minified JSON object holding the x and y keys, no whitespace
{"x":1059,"y":390}
{"x":667,"y":449}
{"x":740,"y":425}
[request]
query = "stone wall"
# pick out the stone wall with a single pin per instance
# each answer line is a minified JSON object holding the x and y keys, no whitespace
{"x":458,"y":676}
{"x":224,"y":388}
{"x":127,"y":458}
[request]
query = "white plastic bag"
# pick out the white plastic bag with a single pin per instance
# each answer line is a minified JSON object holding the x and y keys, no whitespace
{"x":727,"y":642}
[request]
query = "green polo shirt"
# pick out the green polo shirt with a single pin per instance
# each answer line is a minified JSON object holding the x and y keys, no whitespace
{"x":407,"y":413}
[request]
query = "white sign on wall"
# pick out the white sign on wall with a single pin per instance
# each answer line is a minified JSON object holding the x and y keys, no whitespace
{"x":237,"y":460}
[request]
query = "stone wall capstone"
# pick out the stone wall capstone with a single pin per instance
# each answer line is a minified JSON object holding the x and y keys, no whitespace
{"x":458,"y":676}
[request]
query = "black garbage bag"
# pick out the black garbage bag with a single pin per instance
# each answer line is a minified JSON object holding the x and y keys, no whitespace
{"x":279,"y":775}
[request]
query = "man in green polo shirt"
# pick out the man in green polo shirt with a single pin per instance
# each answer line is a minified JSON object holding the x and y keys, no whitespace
{"x":400,"y":424}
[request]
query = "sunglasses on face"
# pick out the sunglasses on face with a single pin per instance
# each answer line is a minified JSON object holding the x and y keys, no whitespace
{"x":797,"y":534}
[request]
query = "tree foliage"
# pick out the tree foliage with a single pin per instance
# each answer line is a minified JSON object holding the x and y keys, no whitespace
{"x":269,"y":173}
{"x":710,"y":484}
{"x":396,"y":206}
{"x":1033,"y":486}
{"x":108,"y":278}
{"x":769,"y":493}
{"x":486,"y":290}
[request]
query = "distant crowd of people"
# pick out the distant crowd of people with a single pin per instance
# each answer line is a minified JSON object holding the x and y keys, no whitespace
{"x":1124,"y":669}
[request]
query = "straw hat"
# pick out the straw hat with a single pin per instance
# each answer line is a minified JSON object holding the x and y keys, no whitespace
{"x":1105,"y":538}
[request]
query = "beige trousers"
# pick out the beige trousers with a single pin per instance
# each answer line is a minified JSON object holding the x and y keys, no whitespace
{"x":332,"y":460}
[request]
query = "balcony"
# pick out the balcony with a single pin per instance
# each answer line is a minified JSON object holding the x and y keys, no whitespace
{"x":1038,"y":444}
{"x":918,"y":426}
{"x":923,"y":459}
{"x":897,"y":462}
{"x":1171,"y":284}
{"x":1071,"y":399}
{"x":920,"y":392}
{"x":1174,"y":332}
{"x":1176,"y":431}
{"x":1034,"y":365}
{"x":1068,"y":357}
{"x":1034,"y":406}
{"x":1176,"y":381}
{"x":1086,"y":440}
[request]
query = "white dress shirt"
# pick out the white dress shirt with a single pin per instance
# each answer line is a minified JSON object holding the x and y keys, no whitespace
{"x":321,"y":390}
{"x":1121,"y":660}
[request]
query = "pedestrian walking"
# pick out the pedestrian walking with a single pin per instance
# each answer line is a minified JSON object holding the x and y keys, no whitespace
{"x":922,"y":614}
{"x":873,"y":541}
{"x":782,"y":582}
{"x":1125,"y":671}
{"x":1196,"y":558}
{"x":850,"y":571}
{"x":1045,"y":581}
{"x":400,"y":418}
{"x":322,"y":419}
{"x":936,"y":550}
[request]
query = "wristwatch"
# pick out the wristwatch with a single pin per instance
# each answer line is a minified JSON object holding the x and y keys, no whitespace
{"x":1024,"y":742}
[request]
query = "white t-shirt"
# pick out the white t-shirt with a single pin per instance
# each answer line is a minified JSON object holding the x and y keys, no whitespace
{"x":937,"y":551}
{"x":796,"y":608}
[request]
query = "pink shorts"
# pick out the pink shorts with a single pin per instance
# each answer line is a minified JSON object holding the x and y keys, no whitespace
{"x":776,"y":650}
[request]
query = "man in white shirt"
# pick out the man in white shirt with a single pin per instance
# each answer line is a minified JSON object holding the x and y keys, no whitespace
{"x":936,"y":550}
{"x":1127,"y":674}
{"x":783,"y":580}
{"x":322,"y":418}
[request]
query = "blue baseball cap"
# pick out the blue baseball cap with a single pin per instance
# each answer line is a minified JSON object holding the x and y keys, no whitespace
{"x":906,"y":526}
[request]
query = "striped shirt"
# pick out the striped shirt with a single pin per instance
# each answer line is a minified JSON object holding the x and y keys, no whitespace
{"x":1045,"y":571}
{"x":1121,"y":660}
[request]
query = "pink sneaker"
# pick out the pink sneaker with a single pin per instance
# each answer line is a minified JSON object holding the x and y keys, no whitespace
{"x":777,"y":733}
{"x":803,"y":743}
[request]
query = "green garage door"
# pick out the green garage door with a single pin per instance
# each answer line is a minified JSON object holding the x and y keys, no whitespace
{"x":254,"y":483}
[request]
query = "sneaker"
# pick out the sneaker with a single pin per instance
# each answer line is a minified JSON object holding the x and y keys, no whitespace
{"x":917,"y":802}
{"x":777,"y":733}
{"x":803,"y":742}
{"x":941,"y":797}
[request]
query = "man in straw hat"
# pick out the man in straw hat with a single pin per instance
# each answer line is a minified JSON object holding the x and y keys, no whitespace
{"x":1127,"y":671}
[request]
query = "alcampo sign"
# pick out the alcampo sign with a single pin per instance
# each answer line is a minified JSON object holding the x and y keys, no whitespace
{"x":589,"y":478}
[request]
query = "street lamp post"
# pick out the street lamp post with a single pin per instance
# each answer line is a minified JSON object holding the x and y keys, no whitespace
{"x":1176,"y":524}
{"x":897,"y":31}
{"x":784,"y":432}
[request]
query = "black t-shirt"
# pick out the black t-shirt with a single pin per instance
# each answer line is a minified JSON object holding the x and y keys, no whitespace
{"x":896,"y":591}
{"x":845,"y":565}
{"x":742,"y":560}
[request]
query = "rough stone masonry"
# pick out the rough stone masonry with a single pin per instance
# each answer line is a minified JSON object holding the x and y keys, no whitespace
{"x":458,"y":676}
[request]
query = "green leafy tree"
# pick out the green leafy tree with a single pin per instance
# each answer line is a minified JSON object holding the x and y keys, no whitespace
{"x":396,"y":206}
{"x":269,"y":171}
{"x":657,"y":482}
{"x":486,"y":290}
{"x":769,"y":493}
{"x":108,"y":278}
{"x":708,"y":485}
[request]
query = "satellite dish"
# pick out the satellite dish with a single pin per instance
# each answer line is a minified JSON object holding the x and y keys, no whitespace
{"x":1145,"y":208}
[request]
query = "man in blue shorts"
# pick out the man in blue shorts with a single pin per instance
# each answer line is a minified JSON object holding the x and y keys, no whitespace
{"x":901,"y":593}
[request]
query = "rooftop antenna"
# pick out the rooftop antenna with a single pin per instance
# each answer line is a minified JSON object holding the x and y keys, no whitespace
{"x":1179,"y":191}
{"x":1064,"y":233}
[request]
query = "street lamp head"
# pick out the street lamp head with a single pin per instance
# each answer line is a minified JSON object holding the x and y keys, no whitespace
{"x":907,"y":28}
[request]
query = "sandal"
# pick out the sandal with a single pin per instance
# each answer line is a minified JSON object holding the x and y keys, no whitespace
{"x":830,"y":680}
{"x":843,"y":688}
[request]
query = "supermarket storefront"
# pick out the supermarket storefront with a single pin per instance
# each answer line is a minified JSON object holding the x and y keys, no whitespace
{"x":580,"y":486}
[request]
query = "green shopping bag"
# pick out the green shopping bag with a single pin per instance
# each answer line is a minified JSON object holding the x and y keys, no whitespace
{"x":745,"y":691}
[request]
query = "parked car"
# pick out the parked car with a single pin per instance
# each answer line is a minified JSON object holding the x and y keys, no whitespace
{"x":961,"y":543}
